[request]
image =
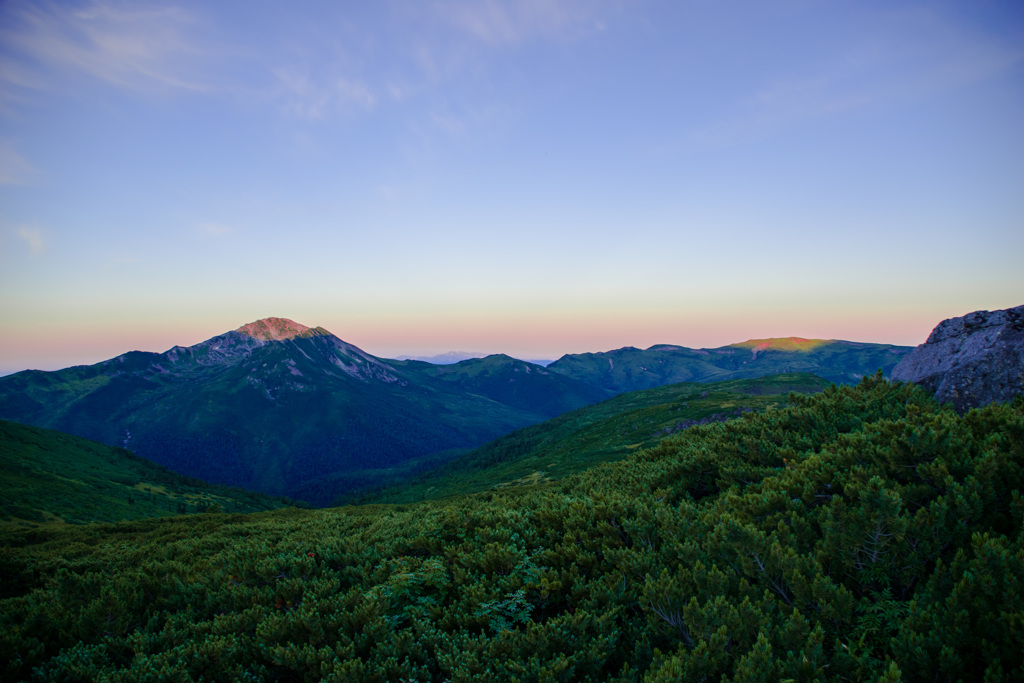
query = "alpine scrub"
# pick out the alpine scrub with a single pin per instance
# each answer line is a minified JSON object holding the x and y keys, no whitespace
{"x":863,"y":533}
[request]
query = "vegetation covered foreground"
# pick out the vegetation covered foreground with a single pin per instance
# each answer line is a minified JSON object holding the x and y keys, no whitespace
{"x":864,"y":533}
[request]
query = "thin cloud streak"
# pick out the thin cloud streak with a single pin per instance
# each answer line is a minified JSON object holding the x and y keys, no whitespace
{"x":155,"y":49}
{"x":309,"y":98}
{"x":886,"y":69}
{"x":507,"y":23}
{"x":129,"y":48}
{"x":171,"y":48}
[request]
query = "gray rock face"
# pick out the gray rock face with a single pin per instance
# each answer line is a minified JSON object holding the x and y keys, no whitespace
{"x":970,"y":361}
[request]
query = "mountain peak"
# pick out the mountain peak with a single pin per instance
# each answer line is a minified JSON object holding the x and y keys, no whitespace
{"x":273,"y":329}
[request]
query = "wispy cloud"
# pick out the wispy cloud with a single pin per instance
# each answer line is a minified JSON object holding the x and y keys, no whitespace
{"x":34,"y":238}
{"x":123,"y":44}
{"x":305,"y":71}
{"x":306,"y":97}
{"x":502,"y":23}
{"x":452,"y":44}
{"x":353,"y":91}
{"x":14,"y":169}
{"x":156,"y":47}
{"x":909,"y":56}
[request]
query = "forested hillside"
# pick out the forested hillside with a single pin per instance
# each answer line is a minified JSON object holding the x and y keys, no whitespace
{"x":49,"y":477}
{"x":863,"y":533}
{"x":589,"y":436}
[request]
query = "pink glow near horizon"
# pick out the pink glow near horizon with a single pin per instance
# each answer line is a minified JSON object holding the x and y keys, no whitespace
{"x":550,"y":338}
{"x":547,"y":335}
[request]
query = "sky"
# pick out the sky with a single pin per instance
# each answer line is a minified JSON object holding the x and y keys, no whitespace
{"x":533,"y":177}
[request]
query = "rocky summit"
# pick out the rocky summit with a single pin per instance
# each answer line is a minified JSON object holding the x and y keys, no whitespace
{"x":273,"y":329}
{"x":970,"y":361}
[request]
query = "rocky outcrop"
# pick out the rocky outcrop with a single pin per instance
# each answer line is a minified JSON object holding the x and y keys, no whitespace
{"x":970,"y":361}
{"x":273,"y":329}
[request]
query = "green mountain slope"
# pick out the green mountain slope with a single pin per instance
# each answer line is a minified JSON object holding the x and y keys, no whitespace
{"x":862,"y":533}
{"x":631,"y":369}
{"x":51,"y":477}
{"x":588,"y":436}
{"x":512,"y":382}
{"x":283,"y":409}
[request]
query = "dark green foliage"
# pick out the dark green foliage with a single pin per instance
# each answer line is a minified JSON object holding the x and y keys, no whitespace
{"x":49,"y":477}
{"x":585,"y":437}
{"x":863,"y":533}
{"x":512,"y":382}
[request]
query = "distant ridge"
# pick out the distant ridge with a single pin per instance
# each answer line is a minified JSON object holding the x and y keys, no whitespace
{"x":632,"y":369}
{"x":447,"y":358}
{"x":784,"y":344}
{"x":452,"y":357}
{"x":791,"y":344}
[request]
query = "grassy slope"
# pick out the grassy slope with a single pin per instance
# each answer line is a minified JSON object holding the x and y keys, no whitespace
{"x":51,"y":477}
{"x":604,"y":432}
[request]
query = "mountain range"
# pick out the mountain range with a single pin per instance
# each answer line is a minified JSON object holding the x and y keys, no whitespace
{"x":278,"y":407}
{"x":446,"y":358}
{"x":632,"y":369}
{"x":456,"y":356}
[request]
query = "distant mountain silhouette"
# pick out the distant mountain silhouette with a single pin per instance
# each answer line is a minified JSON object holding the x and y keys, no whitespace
{"x":277,"y":407}
{"x":453,"y":357}
{"x":446,"y":358}
{"x":632,"y":369}
{"x":286,"y":409}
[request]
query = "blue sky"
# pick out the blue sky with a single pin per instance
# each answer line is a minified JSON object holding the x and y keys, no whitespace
{"x":530,"y":177}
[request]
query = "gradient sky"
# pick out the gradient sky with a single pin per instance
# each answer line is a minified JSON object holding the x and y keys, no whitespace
{"x":532,"y":177}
